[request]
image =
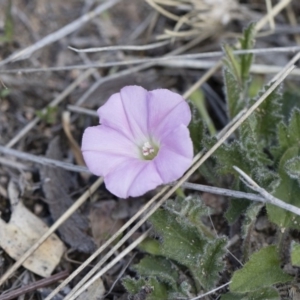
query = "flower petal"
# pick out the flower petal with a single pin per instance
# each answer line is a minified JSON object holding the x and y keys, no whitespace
{"x":112,"y":115}
{"x":175,"y":154}
{"x":104,"y":148}
{"x":100,"y":163}
{"x":167,"y":110}
{"x":127,"y":112}
{"x":132,"y":178}
{"x":136,"y":108}
{"x":179,"y":141}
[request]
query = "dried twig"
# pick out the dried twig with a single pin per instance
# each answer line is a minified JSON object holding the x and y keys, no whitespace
{"x":203,"y":65}
{"x":43,"y":160}
{"x":157,"y":60}
{"x":34,"y":286}
{"x":82,"y":110}
{"x":130,"y":71}
{"x":121,"y":47}
{"x":268,"y":198}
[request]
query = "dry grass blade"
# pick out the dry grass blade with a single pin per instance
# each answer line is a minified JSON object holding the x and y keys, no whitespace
{"x":55,"y":36}
{"x":285,"y":72}
{"x":52,"y":229}
{"x":110,"y":264}
{"x":271,"y":14}
{"x":203,"y":65}
{"x":165,"y":60}
{"x":42,"y":160}
{"x":121,"y":47}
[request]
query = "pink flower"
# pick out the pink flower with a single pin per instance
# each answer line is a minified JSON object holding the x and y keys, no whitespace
{"x":142,"y":142}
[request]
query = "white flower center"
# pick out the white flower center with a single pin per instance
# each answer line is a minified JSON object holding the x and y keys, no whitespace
{"x":147,"y":149}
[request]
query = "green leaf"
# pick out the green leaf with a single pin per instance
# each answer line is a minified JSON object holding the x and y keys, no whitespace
{"x":198,"y":100}
{"x":262,"y":270}
{"x":150,"y":246}
{"x":211,"y":262}
{"x":289,"y":135}
{"x":295,"y":254}
{"x":236,"y":208}
{"x":258,"y":131}
{"x":286,"y":191}
{"x":261,"y":294}
{"x":133,"y":286}
{"x":247,"y":42}
{"x":234,"y":91}
{"x":236,"y":73}
{"x":268,"y":115}
{"x":148,"y":289}
{"x":252,"y":142}
{"x":290,"y":100}
{"x":48,"y":115}
{"x":292,"y":167}
{"x":229,"y":155}
{"x":186,"y":240}
{"x":4,"y":92}
{"x":248,"y":224}
{"x":8,"y":25}
{"x":158,"y":267}
{"x":190,"y":210}
{"x":180,"y":243}
{"x":156,"y":289}
{"x":196,"y":128}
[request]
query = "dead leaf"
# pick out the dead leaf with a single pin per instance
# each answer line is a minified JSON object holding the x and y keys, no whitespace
{"x":94,"y":292}
{"x":22,"y":231}
{"x":102,"y":223}
{"x":56,"y":185}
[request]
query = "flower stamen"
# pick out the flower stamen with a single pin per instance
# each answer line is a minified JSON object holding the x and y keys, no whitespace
{"x":149,"y":151}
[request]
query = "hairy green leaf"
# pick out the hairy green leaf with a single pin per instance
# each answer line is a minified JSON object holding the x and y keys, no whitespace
{"x":261,"y":294}
{"x":185,"y":240}
{"x":287,"y":191}
{"x":247,"y":42}
{"x":262,"y":270}
{"x":211,"y":262}
{"x":150,"y":246}
{"x":236,"y":73}
{"x":248,"y":224}
{"x":158,"y":267}
{"x":295,"y":254}
{"x":233,"y":88}
{"x":290,"y":101}
{"x":198,"y":100}
{"x":196,"y":127}
{"x":289,"y":135}
{"x":133,"y":286}
{"x":148,"y":289}
{"x":292,"y":168}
